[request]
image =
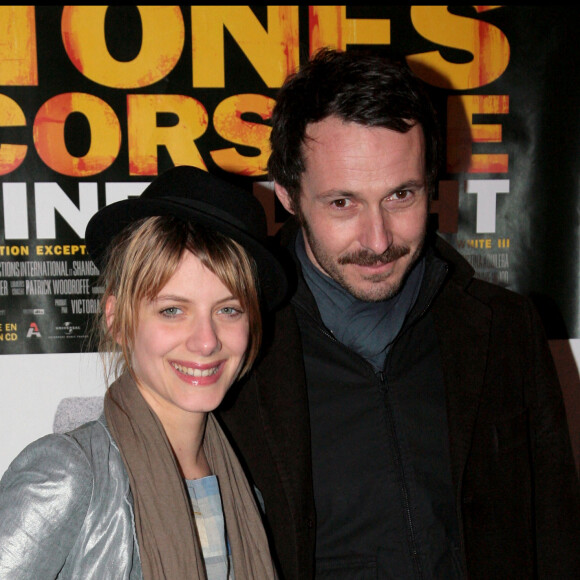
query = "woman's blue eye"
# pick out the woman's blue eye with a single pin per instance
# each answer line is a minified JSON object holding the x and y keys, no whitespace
{"x":230,"y":311}
{"x":171,"y":311}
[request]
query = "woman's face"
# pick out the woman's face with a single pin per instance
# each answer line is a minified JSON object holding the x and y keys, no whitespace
{"x":190,"y":342}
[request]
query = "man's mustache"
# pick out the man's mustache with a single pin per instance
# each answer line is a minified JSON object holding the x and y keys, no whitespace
{"x":368,"y":258}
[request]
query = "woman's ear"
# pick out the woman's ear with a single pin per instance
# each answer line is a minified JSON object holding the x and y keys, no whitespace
{"x":110,"y":305}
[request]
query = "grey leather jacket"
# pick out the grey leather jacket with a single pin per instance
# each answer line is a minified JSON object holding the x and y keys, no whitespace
{"x":66,"y":510}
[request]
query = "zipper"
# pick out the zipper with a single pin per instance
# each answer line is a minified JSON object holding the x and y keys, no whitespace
{"x":383,"y":387}
{"x":403,"y":482}
{"x":381,"y":376}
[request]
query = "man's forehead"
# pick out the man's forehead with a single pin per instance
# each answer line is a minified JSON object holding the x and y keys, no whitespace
{"x":333,"y":138}
{"x":327,"y":130}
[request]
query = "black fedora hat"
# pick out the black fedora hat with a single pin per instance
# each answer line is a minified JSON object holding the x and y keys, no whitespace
{"x":196,"y":196}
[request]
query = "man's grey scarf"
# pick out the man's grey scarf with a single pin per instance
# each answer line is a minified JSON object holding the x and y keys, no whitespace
{"x":368,"y":328}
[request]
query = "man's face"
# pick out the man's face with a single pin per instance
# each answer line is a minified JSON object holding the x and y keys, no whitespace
{"x":363,"y":204}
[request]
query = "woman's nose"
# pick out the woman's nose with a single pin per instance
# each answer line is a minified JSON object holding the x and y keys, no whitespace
{"x":203,"y":336}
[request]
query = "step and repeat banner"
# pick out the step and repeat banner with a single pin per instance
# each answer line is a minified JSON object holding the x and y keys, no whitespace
{"x":95,"y":101}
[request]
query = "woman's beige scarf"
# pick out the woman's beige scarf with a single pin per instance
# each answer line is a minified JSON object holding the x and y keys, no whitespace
{"x":166,"y":530}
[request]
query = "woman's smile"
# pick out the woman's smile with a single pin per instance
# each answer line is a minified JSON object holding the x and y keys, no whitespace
{"x":208,"y":373}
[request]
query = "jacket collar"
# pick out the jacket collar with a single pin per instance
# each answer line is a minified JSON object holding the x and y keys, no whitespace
{"x":463,"y":325}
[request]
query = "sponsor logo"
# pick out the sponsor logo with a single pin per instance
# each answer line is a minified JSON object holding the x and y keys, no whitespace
{"x":67,"y":328}
{"x":33,"y":331}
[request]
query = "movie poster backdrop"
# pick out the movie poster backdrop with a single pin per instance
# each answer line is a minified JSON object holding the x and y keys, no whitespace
{"x":95,"y":101}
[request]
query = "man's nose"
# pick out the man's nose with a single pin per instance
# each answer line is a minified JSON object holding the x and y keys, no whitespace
{"x":376,"y":232}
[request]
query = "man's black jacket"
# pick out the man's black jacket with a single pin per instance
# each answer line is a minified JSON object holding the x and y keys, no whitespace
{"x":517,"y":493}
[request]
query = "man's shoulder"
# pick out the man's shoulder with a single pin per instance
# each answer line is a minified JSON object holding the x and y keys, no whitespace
{"x":464,"y":294}
{"x":462,"y":274}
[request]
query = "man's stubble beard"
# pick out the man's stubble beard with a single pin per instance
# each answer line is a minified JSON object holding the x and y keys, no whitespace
{"x":378,"y":292}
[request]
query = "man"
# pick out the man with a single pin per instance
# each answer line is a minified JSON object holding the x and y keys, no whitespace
{"x":405,"y":420}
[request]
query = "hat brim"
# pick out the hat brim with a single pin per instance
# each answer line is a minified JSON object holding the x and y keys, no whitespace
{"x":112,"y":219}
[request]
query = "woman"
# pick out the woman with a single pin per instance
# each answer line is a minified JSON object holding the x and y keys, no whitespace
{"x":152,"y":489}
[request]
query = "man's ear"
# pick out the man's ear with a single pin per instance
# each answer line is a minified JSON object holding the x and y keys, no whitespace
{"x":284,"y":198}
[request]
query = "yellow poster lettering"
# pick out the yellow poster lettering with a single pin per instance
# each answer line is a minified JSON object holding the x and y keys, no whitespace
{"x":144,"y":136}
{"x":329,"y":26}
{"x":486,"y":43}
{"x":61,"y":250}
{"x":83,"y":35}
{"x":14,"y":251}
{"x":462,"y":132}
{"x":48,"y":133}
{"x":11,"y":115}
{"x":18,"y":61}
{"x":273,"y":53}
{"x":230,"y":125}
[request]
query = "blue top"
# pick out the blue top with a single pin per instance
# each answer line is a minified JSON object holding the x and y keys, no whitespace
{"x":209,"y":518}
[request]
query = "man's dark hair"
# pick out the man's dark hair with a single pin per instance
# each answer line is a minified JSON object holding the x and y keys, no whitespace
{"x":355,"y":86}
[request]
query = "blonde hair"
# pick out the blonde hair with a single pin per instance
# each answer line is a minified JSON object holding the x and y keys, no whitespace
{"x":142,"y":259}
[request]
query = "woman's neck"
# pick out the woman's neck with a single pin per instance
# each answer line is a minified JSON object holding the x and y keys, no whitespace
{"x":186,"y":433}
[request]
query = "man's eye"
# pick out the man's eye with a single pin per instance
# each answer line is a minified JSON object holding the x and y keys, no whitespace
{"x":340,"y":203}
{"x":402,"y":195}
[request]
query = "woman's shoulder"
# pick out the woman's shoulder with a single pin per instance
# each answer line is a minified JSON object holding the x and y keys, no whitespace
{"x":90,"y":434}
{"x":62,"y":456}
{"x":57,"y":456}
